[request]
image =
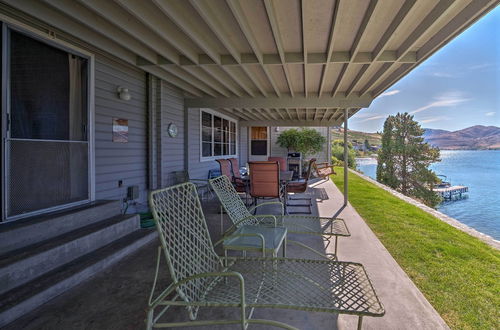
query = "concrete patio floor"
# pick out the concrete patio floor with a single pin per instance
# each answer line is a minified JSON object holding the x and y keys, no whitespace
{"x":117,"y":298}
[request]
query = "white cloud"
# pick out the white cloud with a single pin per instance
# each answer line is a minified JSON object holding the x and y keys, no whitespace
{"x":433,"y":119}
{"x":445,"y":100}
{"x":480,"y":66}
{"x":372,"y":118}
{"x":443,"y":75}
{"x":393,"y":92}
{"x":492,"y":113}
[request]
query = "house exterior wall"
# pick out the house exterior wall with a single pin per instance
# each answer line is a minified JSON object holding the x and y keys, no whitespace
{"x":172,"y":148}
{"x":119,"y":161}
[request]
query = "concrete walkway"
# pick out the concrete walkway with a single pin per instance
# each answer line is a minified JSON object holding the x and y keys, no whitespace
{"x":117,"y":298}
{"x":405,"y":305}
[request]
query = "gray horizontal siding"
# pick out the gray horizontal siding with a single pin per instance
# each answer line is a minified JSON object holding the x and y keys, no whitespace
{"x":120,"y":161}
{"x":172,"y":111}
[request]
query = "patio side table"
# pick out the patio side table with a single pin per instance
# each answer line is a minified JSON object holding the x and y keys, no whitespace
{"x":257,"y":238}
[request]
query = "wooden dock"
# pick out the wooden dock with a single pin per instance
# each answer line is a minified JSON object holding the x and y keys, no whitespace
{"x":450,"y":192}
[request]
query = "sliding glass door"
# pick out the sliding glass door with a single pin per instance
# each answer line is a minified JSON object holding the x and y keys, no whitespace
{"x":47,"y":136}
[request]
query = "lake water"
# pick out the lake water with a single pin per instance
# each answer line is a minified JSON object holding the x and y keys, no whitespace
{"x":477,"y":169}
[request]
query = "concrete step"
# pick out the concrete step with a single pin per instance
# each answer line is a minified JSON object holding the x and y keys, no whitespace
{"x":23,"y":265}
{"x":20,"y":233}
{"x":22,"y":300}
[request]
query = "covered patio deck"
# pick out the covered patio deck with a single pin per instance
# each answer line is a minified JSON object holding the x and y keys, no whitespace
{"x":117,"y":298}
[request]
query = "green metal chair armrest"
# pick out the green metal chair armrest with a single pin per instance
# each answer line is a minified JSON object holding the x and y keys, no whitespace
{"x":268,"y":203}
{"x":257,"y":217}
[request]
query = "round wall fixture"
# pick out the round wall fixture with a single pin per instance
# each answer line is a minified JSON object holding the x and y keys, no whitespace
{"x":123,"y":93}
{"x":172,"y":130}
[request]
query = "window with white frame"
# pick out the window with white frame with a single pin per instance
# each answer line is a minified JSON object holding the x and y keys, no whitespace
{"x":218,"y":135}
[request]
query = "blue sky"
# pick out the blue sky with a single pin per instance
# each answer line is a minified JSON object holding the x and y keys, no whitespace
{"x":457,"y":87}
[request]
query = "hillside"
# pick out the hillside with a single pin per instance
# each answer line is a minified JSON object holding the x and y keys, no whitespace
{"x":373,"y":138}
{"x":474,"y":137}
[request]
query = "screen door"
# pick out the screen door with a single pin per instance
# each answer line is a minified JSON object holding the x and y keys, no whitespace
{"x":47,"y":145}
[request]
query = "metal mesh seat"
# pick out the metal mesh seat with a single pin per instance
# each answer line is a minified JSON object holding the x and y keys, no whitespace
{"x":200,"y":279}
{"x":297,"y":224}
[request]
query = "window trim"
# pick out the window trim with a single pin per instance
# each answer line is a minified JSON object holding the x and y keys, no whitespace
{"x":200,"y":129}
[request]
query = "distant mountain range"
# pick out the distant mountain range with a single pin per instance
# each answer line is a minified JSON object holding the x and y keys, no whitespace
{"x":474,"y":137}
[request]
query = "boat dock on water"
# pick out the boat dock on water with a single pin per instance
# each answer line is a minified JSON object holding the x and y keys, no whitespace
{"x":452,"y":191}
{"x":447,"y":191}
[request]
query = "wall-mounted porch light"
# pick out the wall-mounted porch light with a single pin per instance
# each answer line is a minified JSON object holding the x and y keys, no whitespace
{"x":123,"y":93}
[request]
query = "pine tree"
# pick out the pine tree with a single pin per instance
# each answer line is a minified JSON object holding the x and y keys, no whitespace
{"x":404,"y":159}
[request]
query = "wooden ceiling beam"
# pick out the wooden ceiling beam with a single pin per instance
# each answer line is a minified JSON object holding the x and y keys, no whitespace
{"x":356,"y":43}
{"x":384,"y":40}
{"x":244,"y":25}
{"x":273,"y":20}
{"x":430,"y":20}
{"x":299,"y":101}
{"x":70,"y":26}
{"x":333,"y":28}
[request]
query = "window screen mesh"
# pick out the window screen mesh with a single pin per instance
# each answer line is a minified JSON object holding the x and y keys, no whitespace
{"x":46,"y":174}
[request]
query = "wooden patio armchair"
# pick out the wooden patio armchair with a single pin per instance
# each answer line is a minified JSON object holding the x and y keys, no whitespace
{"x":324,"y":170}
{"x":200,"y":278}
{"x":239,"y":215}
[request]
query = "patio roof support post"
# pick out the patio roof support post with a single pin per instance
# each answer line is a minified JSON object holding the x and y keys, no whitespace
{"x":346,"y":159}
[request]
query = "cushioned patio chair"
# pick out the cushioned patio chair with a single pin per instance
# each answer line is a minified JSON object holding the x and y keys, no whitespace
{"x":226,"y":169}
{"x":280,"y":160}
{"x":200,"y":278}
{"x":297,"y":224}
{"x":265,"y":181}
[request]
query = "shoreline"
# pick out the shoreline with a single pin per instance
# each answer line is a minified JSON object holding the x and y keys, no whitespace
{"x":441,"y":216}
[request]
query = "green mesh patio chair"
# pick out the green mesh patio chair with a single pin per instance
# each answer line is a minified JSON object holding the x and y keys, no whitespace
{"x":297,"y":224}
{"x":200,"y":278}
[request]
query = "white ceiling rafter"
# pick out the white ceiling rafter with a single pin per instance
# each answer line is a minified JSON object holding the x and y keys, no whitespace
{"x":243,"y":24}
{"x":333,"y":28}
{"x":234,"y":54}
{"x":384,"y":40}
{"x":368,"y":15}
{"x":273,"y":21}
{"x":432,"y":18}
{"x":303,"y":16}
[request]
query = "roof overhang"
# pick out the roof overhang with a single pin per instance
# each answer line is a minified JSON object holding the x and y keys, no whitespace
{"x":292,"y":61}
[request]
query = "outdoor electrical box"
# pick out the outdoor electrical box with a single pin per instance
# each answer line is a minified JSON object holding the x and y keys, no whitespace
{"x":132,"y":192}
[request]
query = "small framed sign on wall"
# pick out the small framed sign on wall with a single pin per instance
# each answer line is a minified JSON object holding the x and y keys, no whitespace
{"x":120,"y":130}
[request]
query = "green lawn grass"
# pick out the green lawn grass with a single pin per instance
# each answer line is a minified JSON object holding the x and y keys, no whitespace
{"x":458,"y":274}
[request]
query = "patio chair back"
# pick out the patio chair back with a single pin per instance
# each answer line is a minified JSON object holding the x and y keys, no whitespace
{"x":235,"y":167}
{"x":225,"y":168}
{"x":185,"y":238}
{"x":264,"y":179}
{"x":301,"y":186}
{"x":232,"y":203}
{"x":280,"y":160}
